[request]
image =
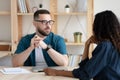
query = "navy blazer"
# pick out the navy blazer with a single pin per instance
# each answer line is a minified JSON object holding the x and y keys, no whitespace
{"x":104,"y":65}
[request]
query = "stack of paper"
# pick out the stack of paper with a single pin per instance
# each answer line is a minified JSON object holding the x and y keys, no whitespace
{"x":17,"y":70}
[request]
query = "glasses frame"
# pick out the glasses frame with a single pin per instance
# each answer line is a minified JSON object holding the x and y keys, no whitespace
{"x":44,"y":22}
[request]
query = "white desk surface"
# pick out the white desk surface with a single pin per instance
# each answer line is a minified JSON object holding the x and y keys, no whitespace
{"x":32,"y":76}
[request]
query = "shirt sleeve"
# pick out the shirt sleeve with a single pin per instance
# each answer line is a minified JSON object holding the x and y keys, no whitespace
{"x":94,"y":65}
{"x":82,"y":63}
{"x":61,"y":47}
{"x":21,"y":46}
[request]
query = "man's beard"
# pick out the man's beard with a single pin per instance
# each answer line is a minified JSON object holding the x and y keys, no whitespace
{"x":42,"y":32}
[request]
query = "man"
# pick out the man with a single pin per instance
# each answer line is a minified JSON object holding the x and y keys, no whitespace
{"x":42,"y":48}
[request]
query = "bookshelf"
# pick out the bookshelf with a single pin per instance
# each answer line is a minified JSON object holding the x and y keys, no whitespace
{"x":3,"y":13}
{"x":17,"y":17}
{"x":5,"y":28}
{"x":72,"y":43}
{"x":26,"y":14}
{"x":5,"y":43}
{"x":58,"y":13}
{"x":55,"y":14}
{"x":73,"y":13}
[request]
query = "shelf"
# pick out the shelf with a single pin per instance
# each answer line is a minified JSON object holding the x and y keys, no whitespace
{"x":4,"y":53}
{"x":25,"y":14}
{"x":5,"y":43}
{"x":74,"y":44}
{"x":73,"y":13}
{"x":4,"y":13}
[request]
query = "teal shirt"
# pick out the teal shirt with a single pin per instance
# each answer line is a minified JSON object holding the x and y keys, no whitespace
{"x":55,"y":41}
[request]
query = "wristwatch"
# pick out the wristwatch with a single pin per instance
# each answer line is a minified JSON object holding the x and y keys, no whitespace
{"x":48,"y":47}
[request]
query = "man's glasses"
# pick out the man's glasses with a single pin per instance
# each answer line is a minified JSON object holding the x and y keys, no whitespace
{"x":44,"y":22}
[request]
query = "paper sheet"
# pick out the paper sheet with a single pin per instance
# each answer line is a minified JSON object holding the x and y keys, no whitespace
{"x":14,"y":71}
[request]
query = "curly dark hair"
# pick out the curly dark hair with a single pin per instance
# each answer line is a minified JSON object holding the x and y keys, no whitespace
{"x":107,"y":27}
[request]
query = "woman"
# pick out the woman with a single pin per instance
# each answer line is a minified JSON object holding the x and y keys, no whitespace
{"x":105,"y":61}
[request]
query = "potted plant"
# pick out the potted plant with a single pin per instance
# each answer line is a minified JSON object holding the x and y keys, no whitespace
{"x":77,"y":37}
{"x":40,"y":6}
{"x":67,"y":8}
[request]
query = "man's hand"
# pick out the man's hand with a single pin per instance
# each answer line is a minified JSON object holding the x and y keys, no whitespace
{"x":37,"y":41}
{"x":43,"y":44}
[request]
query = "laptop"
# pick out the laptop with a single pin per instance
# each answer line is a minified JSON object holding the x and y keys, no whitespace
{"x":41,"y":68}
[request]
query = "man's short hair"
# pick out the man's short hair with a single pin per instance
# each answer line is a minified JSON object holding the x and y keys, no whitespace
{"x":41,"y":11}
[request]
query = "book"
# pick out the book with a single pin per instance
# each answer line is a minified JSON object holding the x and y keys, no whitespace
{"x":28,"y":6}
{"x":74,"y":60}
{"x":31,"y":6}
{"x":22,"y":6}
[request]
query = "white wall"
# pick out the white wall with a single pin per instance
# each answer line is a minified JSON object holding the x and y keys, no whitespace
{"x":5,"y":33}
{"x":114,"y":5}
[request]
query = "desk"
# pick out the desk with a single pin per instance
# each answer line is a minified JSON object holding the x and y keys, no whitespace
{"x":32,"y":76}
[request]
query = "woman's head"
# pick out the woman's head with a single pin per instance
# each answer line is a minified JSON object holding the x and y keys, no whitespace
{"x":107,"y":27}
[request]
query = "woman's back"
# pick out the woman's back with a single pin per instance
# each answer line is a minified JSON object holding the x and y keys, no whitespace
{"x":110,"y":62}
{"x":104,"y":64}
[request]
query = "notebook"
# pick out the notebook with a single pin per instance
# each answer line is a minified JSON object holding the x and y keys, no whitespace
{"x":16,"y":70}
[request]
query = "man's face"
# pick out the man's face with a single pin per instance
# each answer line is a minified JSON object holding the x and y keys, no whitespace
{"x":43,"y":24}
